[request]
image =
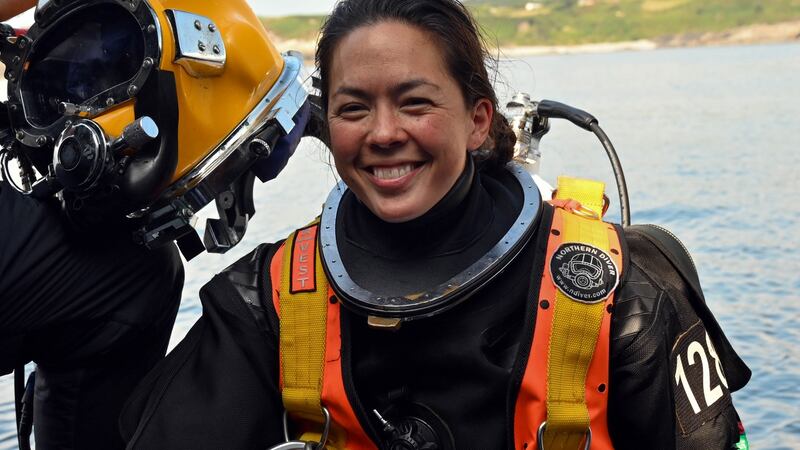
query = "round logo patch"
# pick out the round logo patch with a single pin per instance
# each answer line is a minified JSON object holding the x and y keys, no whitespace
{"x":583,"y":272}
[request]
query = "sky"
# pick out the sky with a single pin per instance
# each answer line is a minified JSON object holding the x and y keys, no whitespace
{"x":285,"y":8}
{"x":267,"y":8}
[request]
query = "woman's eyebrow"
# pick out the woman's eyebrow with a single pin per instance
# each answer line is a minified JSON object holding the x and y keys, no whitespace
{"x":353,"y":92}
{"x":406,"y":86}
{"x":395,"y":91}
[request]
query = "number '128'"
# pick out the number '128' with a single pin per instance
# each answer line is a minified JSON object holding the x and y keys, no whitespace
{"x":710,"y":395}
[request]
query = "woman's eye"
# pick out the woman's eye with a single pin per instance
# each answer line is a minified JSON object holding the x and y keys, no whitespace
{"x":351,"y":109}
{"x":417,"y":102}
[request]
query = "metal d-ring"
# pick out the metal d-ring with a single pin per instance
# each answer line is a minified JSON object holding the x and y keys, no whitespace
{"x":586,"y":212}
{"x":540,"y":437}
{"x":300,"y":445}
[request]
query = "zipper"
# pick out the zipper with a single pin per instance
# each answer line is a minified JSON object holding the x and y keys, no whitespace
{"x":677,"y":240}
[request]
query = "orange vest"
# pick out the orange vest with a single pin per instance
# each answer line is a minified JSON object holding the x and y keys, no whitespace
{"x":531,"y":408}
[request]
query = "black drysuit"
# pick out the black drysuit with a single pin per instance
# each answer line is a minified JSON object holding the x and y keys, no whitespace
{"x":219,"y":388}
{"x":94,"y":311}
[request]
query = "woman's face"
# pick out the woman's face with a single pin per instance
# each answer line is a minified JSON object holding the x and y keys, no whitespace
{"x":399,"y":126}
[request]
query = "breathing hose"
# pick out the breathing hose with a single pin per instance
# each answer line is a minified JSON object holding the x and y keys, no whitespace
{"x":556,"y":110}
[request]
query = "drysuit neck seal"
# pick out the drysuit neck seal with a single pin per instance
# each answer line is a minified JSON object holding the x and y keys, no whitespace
{"x":427,"y":301}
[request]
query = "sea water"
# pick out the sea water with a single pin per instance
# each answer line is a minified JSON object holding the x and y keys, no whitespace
{"x":709,"y":140}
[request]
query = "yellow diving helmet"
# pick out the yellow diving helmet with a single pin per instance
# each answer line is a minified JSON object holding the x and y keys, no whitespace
{"x":144,"y":111}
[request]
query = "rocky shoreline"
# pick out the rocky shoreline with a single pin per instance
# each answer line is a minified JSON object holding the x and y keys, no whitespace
{"x":751,"y":34}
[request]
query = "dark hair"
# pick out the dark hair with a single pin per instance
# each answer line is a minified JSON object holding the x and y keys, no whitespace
{"x":458,"y":38}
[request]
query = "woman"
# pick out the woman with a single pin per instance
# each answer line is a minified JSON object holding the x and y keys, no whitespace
{"x":416,"y":324}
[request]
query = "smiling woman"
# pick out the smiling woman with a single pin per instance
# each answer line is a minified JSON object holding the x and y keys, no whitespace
{"x":426,"y":308}
{"x":399,"y":139}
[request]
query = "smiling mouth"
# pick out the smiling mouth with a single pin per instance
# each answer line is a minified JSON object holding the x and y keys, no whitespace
{"x":394,"y":172}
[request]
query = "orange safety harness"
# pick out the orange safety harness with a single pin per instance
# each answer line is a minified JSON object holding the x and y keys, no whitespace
{"x":563,"y":398}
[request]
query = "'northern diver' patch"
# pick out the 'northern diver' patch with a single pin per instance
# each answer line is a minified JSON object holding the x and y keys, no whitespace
{"x":583,"y":272}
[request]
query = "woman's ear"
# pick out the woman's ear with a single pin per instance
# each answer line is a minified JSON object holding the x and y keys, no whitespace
{"x":482,"y":115}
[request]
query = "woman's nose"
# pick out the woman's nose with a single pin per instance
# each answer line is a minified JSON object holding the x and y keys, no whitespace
{"x":387,"y":131}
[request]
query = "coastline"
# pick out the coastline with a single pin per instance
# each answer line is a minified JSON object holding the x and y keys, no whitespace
{"x":745,"y":35}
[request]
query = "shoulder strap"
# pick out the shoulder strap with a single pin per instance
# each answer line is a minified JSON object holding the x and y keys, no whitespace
{"x":311,"y":373}
{"x":303,"y":315}
{"x":563,"y":396}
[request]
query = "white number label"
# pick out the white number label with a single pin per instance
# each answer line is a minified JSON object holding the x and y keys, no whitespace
{"x":680,"y":378}
{"x":710,"y":395}
{"x":717,"y":365}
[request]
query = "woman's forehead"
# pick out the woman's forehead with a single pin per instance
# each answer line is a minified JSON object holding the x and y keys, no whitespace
{"x":387,"y":51}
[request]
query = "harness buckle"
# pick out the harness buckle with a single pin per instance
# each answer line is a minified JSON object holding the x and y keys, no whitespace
{"x":304,"y":445}
{"x":540,"y":437}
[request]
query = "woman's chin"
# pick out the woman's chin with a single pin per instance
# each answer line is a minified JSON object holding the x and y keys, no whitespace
{"x":396,"y":217}
{"x":395,"y":213}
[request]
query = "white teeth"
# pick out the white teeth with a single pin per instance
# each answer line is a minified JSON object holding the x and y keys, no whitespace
{"x":392,"y":173}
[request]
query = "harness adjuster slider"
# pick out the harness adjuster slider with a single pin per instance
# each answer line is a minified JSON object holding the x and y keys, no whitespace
{"x":575,"y":207}
{"x":304,"y":445}
{"x":543,"y":427}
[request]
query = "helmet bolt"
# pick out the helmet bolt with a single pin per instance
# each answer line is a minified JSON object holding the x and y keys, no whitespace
{"x":109,"y":101}
{"x":13,"y":107}
{"x":148,"y":62}
{"x":15,"y":60}
{"x":41,"y":140}
{"x":216,"y":49}
{"x":198,"y":25}
{"x":22,"y":42}
{"x":10,"y":75}
{"x":201,"y":46}
{"x":212,"y":28}
{"x":20,"y":135}
{"x":151,"y":28}
{"x":132,"y":89}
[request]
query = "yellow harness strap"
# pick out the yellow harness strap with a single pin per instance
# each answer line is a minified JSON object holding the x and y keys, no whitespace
{"x":303,"y":319}
{"x":576,"y":325}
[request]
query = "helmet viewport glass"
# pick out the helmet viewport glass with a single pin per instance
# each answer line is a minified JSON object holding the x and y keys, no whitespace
{"x":81,"y":56}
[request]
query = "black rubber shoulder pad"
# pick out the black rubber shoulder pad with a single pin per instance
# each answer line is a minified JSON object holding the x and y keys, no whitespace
{"x":244,"y":276}
{"x":675,"y":252}
{"x":249,"y":276}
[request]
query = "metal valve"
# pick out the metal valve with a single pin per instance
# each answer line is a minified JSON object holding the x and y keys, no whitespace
{"x":529,"y":127}
{"x":135,"y":136}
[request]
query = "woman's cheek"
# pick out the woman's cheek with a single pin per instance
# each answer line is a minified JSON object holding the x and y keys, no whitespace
{"x":344,"y":142}
{"x":432,"y":131}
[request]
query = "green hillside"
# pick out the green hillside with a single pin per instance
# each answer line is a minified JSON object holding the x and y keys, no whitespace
{"x":566,"y":22}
